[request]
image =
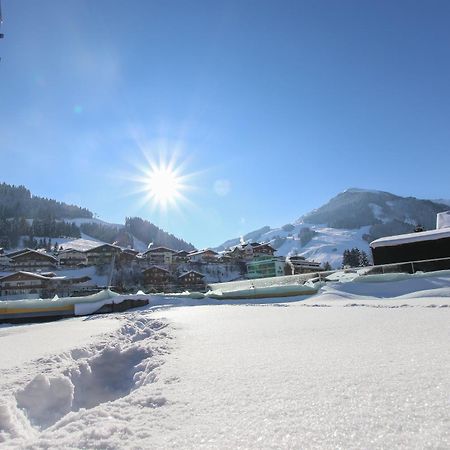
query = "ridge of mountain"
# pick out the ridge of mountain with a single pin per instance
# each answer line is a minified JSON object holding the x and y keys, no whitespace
{"x":352,"y":218}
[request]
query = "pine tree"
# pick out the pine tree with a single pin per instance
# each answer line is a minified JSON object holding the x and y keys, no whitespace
{"x":364,"y":259}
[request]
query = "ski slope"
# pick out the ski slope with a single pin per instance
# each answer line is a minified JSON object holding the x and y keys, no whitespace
{"x":328,"y":244}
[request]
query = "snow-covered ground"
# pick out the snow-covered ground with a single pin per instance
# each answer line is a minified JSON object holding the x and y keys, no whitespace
{"x":359,"y":365}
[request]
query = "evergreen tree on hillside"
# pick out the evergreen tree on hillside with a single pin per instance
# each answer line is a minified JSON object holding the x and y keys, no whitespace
{"x":364,"y":259}
{"x":17,"y":201}
{"x":355,"y":258}
{"x":147,"y":232}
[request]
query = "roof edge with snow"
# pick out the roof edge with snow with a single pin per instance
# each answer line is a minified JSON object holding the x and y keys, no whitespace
{"x":410,"y":238}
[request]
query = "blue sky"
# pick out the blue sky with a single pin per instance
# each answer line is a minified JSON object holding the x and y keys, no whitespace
{"x":273,"y":107}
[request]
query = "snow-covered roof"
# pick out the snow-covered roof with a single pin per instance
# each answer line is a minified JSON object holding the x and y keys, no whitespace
{"x":40,"y":276}
{"x":411,"y":237}
{"x":154,"y":267}
{"x":19,"y":255}
{"x":191,"y":271}
{"x":160,"y":250}
{"x":69,"y":250}
{"x":201,"y":252}
{"x":82,"y":245}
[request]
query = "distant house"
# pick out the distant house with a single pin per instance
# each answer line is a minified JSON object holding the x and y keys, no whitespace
{"x":22,"y":284}
{"x":27,"y":284}
{"x":420,"y":246}
{"x":192,"y":280}
{"x":268,"y":267}
{"x":300,"y":264}
{"x":234,"y":253}
{"x":160,"y":255}
{"x":128,"y":256}
{"x":181,"y":256}
{"x":156,"y":278}
{"x":203,"y":256}
{"x":263,"y":250}
{"x":97,"y":253}
{"x":72,"y":258}
{"x":5,"y":262}
{"x":31,"y":260}
{"x":102,"y":254}
{"x":250,"y":250}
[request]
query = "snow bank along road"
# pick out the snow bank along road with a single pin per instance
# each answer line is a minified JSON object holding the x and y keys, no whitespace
{"x":338,"y":370}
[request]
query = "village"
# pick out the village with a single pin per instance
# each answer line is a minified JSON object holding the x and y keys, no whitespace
{"x":83,"y":267}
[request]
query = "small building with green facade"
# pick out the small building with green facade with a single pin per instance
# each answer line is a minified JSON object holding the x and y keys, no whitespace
{"x":265,"y":267}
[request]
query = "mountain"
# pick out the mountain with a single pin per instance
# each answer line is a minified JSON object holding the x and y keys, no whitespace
{"x":352,"y":218}
{"x":444,"y":201}
{"x":32,"y":221}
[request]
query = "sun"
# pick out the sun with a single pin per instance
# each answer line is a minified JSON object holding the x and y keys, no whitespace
{"x":162,"y":182}
{"x":164,"y":185}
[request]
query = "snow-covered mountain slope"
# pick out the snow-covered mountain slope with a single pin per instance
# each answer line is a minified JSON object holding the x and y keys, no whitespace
{"x":351,"y":219}
{"x":326,"y":244}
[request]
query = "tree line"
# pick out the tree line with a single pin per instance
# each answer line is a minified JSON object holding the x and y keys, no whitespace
{"x":17,"y":202}
{"x":11,"y":230}
{"x":147,"y":232}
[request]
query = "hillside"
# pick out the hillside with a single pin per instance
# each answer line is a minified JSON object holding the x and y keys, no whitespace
{"x":32,"y":221}
{"x":351,"y":219}
{"x":17,"y":202}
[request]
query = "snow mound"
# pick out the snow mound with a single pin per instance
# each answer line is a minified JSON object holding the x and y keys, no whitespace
{"x":84,"y":378}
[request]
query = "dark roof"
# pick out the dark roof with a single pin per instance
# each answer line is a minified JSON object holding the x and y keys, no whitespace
{"x":191,"y":271}
{"x":19,"y":252}
{"x":155,"y":268}
{"x":264,"y":245}
{"x":35,"y":253}
{"x":21,"y":274}
{"x":160,"y":249}
{"x":253,"y":244}
{"x":70,"y":250}
{"x":205,"y":250}
{"x":94,"y":249}
{"x":131,"y":251}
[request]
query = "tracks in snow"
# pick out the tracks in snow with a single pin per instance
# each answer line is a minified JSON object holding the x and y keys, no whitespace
{"x":86,"y":377}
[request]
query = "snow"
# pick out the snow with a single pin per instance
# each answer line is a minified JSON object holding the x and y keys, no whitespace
{"x":359,"y":365}
{"x":327,"y":245}
{"x":443,"y":220}
{"x":90,"y":271}
{"x":29,"y":342}
{"x":378,"y":212}
{"x":411,"y":237}
{"x":81,"y":244}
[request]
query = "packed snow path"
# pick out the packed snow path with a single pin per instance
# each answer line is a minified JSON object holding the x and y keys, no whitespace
{"x":275,"y":375}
